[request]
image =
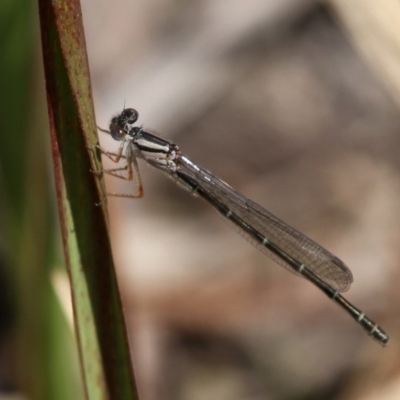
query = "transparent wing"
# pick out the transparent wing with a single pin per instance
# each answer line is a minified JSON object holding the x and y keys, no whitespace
{"x":324,"y":264}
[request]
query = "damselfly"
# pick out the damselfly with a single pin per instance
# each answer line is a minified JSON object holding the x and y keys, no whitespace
{"x":273,"y":237}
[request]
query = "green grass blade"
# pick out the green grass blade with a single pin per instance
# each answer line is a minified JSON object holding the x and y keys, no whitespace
{"x":100,"y":328}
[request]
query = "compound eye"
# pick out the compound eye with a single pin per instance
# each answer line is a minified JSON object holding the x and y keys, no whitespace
{"x":117,"y":133}
{"x":131,"y":115}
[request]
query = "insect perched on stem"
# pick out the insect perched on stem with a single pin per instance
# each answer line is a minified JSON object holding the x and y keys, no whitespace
{"x":273,"y":237}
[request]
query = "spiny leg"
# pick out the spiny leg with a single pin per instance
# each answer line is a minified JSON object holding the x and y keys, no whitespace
{"x":139,"y":188}
{"x":131,"y":166}
{"x":133,"y":171}
{"x":114,"y":157}
{"x":104,"y":130}
{"x":126,"y":195}
{"x":112,"y":153}
{"x":113,"y":172}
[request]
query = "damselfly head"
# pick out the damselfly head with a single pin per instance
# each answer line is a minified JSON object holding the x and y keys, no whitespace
{"x":121,"y":124}
{"x":127,"y":117}
{"x":116,"y":132}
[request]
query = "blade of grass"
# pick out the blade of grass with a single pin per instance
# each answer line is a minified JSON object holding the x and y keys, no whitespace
{"x":100,"y":328}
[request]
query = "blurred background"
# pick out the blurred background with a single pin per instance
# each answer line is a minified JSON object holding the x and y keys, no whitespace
{"x":294,"y":104}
